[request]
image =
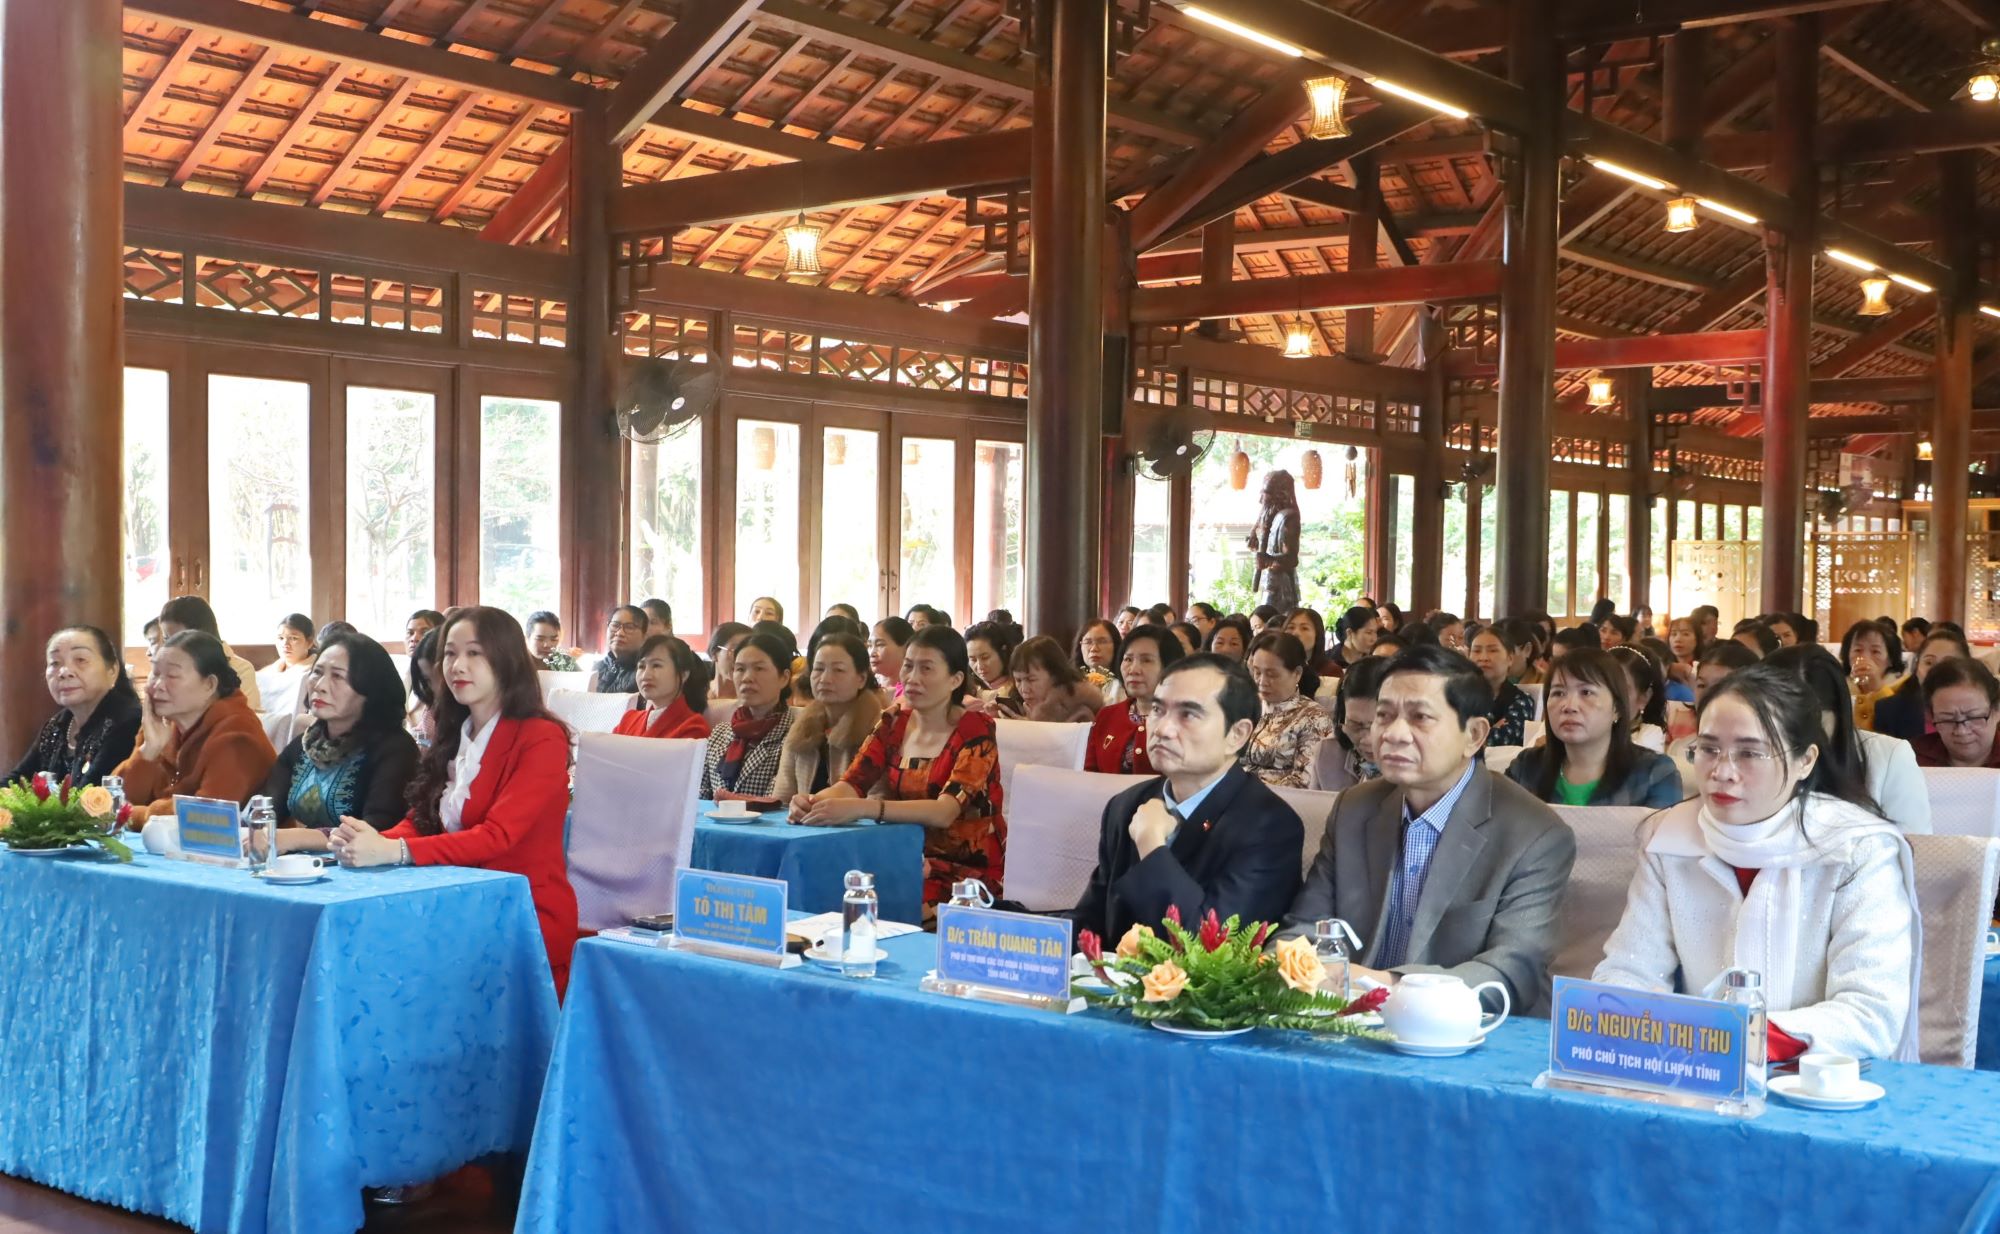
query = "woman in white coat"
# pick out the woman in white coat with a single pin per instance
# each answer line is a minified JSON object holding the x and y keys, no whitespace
{"x":1784,"y":866}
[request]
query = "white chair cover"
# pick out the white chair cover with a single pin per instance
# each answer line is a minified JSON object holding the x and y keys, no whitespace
{"x":1607,"y":856}
{"x":1500,"y":758}
{"x":1032,"y":741}
{"x":1313,"y":808}
{"x":1531,"y":732}
{"x":1329,"y":767}
{"x":1956,"y":878}
{"x":718,"y":712}
{"x":1054,"y":816}
{"x":551,"y":682}
{"x":585,"y":712}
{"x":631,"y":825}
{"x":1965,"y":801}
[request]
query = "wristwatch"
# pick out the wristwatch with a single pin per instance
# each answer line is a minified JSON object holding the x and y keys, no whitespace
{"x":403,"y":858}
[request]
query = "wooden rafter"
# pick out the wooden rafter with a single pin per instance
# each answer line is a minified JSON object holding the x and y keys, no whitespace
{"x":427,"y":151}
{"x":364,"y":139}
{"x":1918,"y":313}
{"x":704,"y":29}
{"x":909,"y":250}
{"x":1208,"y":168}
{"x":579,"y":60}
{"x":156,"y":89}
{"x":219,"y":124}
{"x":487,"y":162}
{"x":514,"y":221}
{"x":335,"y":75}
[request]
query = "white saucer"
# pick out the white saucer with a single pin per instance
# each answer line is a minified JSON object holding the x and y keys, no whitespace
{"x":1435,"y":1051}
{"x":717,"y":816}
{"x":1182,"y":1030}
{"x":827,"y":951}
{"x":289,"y":880}
{"x":67,"y":850}
{"x":1789,"y":1087}
{"x":1992,"y":949}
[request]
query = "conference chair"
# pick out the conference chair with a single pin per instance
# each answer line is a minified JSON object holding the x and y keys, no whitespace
{"x":1965,"y":801}
{"x":631,"y":824}
{"x":1607,"y":856}
{"x":1054,"y":818}
{"x":551,"y":681}
{"x":1956,"y":879}
{"x":1313,"y":808}
{"x":1020,"y":742}
{"x":586,"y":712}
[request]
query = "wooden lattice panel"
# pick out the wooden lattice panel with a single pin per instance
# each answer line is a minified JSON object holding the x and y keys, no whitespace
{"x":1725,"y":573}
{"x":1859,"y":576}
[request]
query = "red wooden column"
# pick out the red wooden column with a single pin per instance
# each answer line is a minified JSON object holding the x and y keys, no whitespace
{"x":1951,"y":428}
{"x":61,"y":340}
{"x":1364,"y":230}
{"x":1635,"y":388}
{"x":1427,"y":564}
{"x":593,"y":493}
{"x":1065,"y":318}
{"x":1528,"y":315}
{"x":1788,"y":300}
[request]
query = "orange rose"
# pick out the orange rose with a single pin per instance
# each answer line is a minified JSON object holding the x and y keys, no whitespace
{"x":1128,"y":947}
{"x":6,"y":818}
{"x":1165,"y":983}
{"x":1299,"y":965}
{"x":96,"y":801}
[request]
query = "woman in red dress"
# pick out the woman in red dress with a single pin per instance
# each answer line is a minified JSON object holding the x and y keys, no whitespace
{"x":1118,"y":735}
{"x":674,"y":685}
{"x":492,"y":790}
{"x":939,"y":767}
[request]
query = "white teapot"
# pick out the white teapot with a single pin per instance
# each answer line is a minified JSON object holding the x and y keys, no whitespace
{"x":1438,"y":1009}
{"x":162,"y":835}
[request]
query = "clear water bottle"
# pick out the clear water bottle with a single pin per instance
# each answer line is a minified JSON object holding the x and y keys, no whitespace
{"x":858,"y":911}
{"x":263,"y":818}
{"x":1746,"y":988}
{"x":970,"y":893}
{"x":1331,"y":939}
{"x":115,"y":785}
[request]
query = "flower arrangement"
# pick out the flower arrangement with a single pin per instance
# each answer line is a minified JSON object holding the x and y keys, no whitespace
{"x":1221,"y":978}
{"x":41,"y":814}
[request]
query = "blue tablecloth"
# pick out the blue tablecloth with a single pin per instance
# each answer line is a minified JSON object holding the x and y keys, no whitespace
{"x":695,"y":1094}
{"x":1988,"y":1057}
{"x":814,"y":859}
{"x":181,"y":1040}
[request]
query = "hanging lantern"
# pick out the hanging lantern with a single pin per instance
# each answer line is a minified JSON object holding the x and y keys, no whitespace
{"x":1351,"y":472}
{"x":764,"y":447}
{"x":1681,"y":214}
{"x":1984,"y":84}
{"x":1600,"y":391}
{"x":836,"y":449}
{"x":1239,"y":469}
{"x":1309,"y":469}
{"x":802,"y":247}
{"x":1298,"y":341}
{"x":1328,"y":96}
{"x":1875,"y":297}
{"x":1924,"y":451}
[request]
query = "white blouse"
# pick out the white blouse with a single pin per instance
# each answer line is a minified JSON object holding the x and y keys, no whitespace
{"x":463,"y":771}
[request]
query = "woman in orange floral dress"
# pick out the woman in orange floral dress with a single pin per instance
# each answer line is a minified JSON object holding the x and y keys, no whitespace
{"x":939,"y":766}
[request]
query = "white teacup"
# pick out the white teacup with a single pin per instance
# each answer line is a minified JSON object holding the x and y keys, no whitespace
{"x":1829,"y":1075}
{"x":161,"y":835}
{"x":736,"y":808}
{"x":295,"y":865}
{"x":1439,"y":1009}
{"x":1992,"y":941}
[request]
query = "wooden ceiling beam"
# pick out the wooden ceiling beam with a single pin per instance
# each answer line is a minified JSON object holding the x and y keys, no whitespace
{"x":1915,"y":315}
{"x":1982,"y":15}
{"x":224,"y":114}
{"x":1660,"y":274}
{"x":290,"y":33}
{"x":363,"y":140}
{"x":156,"y":89}
{"x":705,"y":27}
{"x":800,"y":17}
{"x":1478,"y":280}
{"x":1837,"y":391}
{"x":487,"y":162}
{"x":1206,"y":170}
{"x":580,"y":58}
{"x":909,"y":250}
{"x":868,"y":316}
{"x":298,"y":124}
{"x":1292,"y":169}
{"x":514,"y":220}
{"x":741,"y":134}
{"x":842,"y":179}
{"x":1967,"y":126}
{"x":1635,"y":351}
{"x":1330,"y":374}
{"x":427,"y":151}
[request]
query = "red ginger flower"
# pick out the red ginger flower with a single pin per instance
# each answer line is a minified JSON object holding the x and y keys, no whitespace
{"x":1091,"y":947}
{"x":1174,"y":913}
{"x":1211,"y":932}
{"x":41,"y":786}
{"x":1263,"y":931}
{"x":1371,"y":1001}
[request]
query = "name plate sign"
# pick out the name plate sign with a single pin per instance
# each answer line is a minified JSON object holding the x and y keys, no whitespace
{"x":1692,"y":1050}
{"x":211,"y":830}
{"x":1011,"y":957}
{"x":736,"y":915}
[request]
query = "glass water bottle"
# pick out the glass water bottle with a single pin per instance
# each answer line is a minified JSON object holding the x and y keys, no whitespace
{"x":1746,"y":988}
{"x":1332,"y":938}
{"x":858,"y":911}
{"x":263,"y":818}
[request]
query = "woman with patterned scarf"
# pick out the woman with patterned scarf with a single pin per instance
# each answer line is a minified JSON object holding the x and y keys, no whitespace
{"x":744,"y":755}
{"x":355,"y":759}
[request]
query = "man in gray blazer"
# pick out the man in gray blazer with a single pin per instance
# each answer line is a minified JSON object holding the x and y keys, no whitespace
{"x":1441,"y":866}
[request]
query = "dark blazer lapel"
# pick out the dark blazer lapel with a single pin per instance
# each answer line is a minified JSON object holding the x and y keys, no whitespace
{"x":1195,"y":828}
{"x":499,"y":748}
{"x":1458,"y":852}
{"x":1382,"y":852}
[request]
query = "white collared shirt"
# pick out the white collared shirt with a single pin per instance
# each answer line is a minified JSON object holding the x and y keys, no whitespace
{"x":463,"y":771}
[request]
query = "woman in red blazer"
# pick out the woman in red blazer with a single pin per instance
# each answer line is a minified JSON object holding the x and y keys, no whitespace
{"x":674,"y":686}
{"x":1118,"y":735}
{"x":493,"y":788}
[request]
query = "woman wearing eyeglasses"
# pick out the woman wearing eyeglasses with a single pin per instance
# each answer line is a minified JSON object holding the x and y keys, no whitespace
{"x":1963,"y":698}
{"x":1782,"y":866}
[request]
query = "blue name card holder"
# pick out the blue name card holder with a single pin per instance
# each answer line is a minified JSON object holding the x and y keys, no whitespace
{"x":1000,"y":957}
{"x":730,"y":916}
{"x":211,"y":831}
{"x":1662,"y":1049}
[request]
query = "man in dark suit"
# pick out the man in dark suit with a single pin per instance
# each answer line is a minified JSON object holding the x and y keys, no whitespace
{"x":1207,"y":834}
{"x":1441,"y":866}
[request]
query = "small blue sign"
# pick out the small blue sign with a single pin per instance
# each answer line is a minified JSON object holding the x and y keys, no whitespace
{"x":730,"y":910}
{"x":211,"y":829}
{"x":1016,"y":952}
{"x":1672,"y":1043}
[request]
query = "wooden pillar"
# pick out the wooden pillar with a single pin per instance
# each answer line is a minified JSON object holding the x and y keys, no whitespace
{"x":594,"y":498}
{"x":1065,"y":317}
{"x":61,"y":340}
{"x":1951,"y":412}
{"x":1218,"y":266}
{"x":1788,"y":300}
{"x":1685,"y":76}
{"x":1427,"y":519}
{"x":1120,"y":491}
{"x":1533,"y":192}
{"x":1364,"y":229}
{"x":1635,"y":388}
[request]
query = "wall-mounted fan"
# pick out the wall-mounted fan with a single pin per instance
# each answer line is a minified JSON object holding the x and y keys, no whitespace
{"x":659,"y":398}
{"x":1166,"y":442}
